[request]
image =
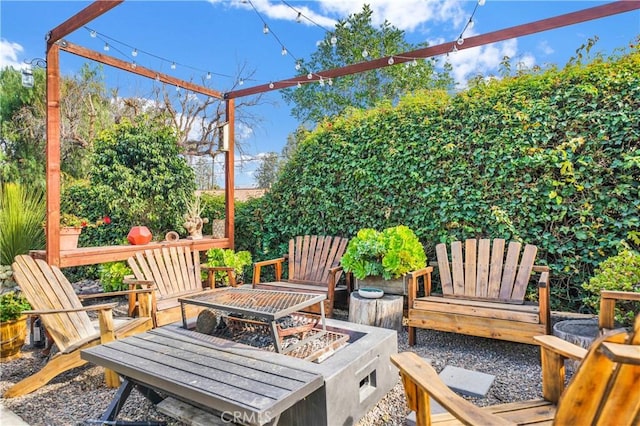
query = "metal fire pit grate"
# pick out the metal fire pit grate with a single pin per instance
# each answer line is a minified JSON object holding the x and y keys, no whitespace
{"x":266,"y":304}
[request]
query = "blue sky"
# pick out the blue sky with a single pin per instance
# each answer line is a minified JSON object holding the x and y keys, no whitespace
{"x":222,"y":36}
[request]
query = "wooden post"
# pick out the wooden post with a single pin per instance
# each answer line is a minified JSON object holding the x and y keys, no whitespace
{"x":229,"y":185}
{"x":53,"y":155}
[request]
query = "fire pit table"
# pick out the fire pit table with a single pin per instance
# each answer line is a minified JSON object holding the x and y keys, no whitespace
{"x":266,"y":305}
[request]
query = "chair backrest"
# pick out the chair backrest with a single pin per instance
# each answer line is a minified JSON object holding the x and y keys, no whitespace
{"x":174,"y":270}
{"x":46,"y":288}
{"x":482,"y":271}
{"x":606,"y":387}
{"x":312,"y":256}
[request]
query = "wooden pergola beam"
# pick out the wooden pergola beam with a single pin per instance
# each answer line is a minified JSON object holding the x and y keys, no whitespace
{"x":444,"y":48}
{"x":139,"y":70}
{"x":81,"y":18}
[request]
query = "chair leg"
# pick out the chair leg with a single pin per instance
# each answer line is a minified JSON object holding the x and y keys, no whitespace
{"x":412,"y":335}
{"x":58,"y":365}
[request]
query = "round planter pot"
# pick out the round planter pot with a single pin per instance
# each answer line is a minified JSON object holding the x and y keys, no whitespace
{"x":12,"y":335}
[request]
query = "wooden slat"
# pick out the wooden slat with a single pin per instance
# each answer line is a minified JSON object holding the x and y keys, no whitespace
{"x":509,"y":270}
{"x":470,"y":256}
{"x":495,"y":274}
{"x":527,"y":308}
{"x":443,"y":269}
{"x":524,"y":272}
{"x":481,"y":312}
{"x":183,"y":254}
{"x":197,"y":272}
{"x":310,"y":258}
{"x":173,"y":267}
{"x":482,"y":277}
{"x":457,"y":266}
{"x":301,"y":262}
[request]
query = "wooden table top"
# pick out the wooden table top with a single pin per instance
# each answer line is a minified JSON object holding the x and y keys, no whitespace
{"x":186,"y":366}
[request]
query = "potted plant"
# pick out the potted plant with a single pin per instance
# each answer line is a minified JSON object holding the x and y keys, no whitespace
{"x":228,"y":258}
{"x":382,"y":259}
{"x":193,"y":222}
{"x":71,"y":227}
{"x":13,"y":324}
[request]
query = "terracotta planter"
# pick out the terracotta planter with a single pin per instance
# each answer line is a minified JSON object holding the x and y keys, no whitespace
{"x":69,"y":237}
{"x":139,"y":235}
{"x":12,"y":337}
{"x":393,"y":286}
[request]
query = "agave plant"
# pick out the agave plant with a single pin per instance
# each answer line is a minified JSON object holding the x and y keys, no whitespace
{"x":22,"y":211}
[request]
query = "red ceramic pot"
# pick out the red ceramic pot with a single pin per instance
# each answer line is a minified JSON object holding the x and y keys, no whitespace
{"x":139,"y":235}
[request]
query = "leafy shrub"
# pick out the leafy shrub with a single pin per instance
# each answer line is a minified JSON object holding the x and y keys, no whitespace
{"x":112,"y":276}
{"x":22,"y":211}
{"x":550,"y":158}
{"x":620,"y":273}
{"x":11,"y":306}
{"x":390,"y":253}
{"x":229,"y":258}
{"x":213,"y":206}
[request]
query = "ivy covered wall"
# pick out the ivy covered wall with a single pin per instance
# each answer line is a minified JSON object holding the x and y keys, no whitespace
{"x":549,"y":158}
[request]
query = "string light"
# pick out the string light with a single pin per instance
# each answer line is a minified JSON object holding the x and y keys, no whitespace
{"x":391,"y":61}
{"x":106,"y":47}
{"x":460,"y":41}
{"x":133,"y":65}
{"x":173,"y":65}
{"x":283,"y":52}
{"x":481,"y":2}
{"x":271,"y":85}
{"x":330,"y":82}
{"x":299,"y":17}
{"x":134,"y":52}
{"x":299,"y":85}
{"x":365,"y":54}
{"x":265,"y":29}
{"x":321,"y":81}
{"x":298,"y":66}
{"x":334,"y":40}
{"x":209,"y":76}
{"x":93,"y":34}
{"x":309,"y":76}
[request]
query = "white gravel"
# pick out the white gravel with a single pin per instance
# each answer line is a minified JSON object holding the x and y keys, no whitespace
{"x":80,"y":394}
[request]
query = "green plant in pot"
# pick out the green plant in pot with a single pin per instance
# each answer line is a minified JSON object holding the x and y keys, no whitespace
{"x":13,"y":324}
{"x":382,"y":259}
{"x":619,"y":273}
{"x":227,"y":258}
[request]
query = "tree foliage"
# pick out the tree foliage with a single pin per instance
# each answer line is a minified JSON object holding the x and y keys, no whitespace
{"x":550,"y":158}
{"x":313,"y":102}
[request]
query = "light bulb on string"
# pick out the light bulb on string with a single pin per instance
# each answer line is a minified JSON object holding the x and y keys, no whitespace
{"x":330,"y":82}
{"x":134,"y":65}
{"x":173,"y":65}
{"x":299,"y":85}
{"x":414,"y":63}
{"x":240,"y":82}
{"x":271,"y":86}
{"x":265,"y":29}
{"x":298,"y":66}
{"x":106,"y":47}
{"x":309,"y":76}
{"x":157,"y":77}
{"x":471,"y":23}
{"x":208,"y":76}
{"x":455,"y":48}
{"x":321,"y":81}
{"x":299,"y":17}
{"x":481,"y":2}
{"x":283,"y":52}
{"x":391,"y":61}
{"x":460,"y":41}
{"x":93,"y":34}
{"x":177,"y":88}
{"x":134,"y":52}
{"x":365,"y":54}
{"x":334,"y":40}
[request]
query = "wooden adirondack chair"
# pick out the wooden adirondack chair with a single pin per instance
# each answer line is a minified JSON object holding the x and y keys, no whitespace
{"x":67,"y":322}
{"x":314,"y":267}
{"x":604,"y":390}
{"x":482,"y":293}
{"x":176,"y":273}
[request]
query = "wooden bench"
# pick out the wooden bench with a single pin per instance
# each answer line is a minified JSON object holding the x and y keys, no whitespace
{"x":604,"y":389}
{"x":174,"y":272}
{"x":482,"y":293}
{"x":314,"y":267}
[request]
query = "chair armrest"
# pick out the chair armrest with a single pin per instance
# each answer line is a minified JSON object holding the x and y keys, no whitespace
{"x":412,"y":290}
{"x":100,"y":307}
{"x":257,"y":266}
{"x":132,"y":281}
{"x":421,"y":381}
{"x":115,"y":293}
{"x":544,"y":300}
{"x":553,"y":353}
{"x":608,"y":299}
{"x":211,"y":270}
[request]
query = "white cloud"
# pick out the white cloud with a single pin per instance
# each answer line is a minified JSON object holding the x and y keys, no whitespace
{"x":9,"y":54}
{"x":545,"y":48}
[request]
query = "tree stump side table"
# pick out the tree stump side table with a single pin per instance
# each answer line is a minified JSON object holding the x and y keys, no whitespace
{"x":385,"y":312}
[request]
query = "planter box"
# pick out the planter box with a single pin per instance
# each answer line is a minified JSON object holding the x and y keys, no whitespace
{"x":393,"y":286}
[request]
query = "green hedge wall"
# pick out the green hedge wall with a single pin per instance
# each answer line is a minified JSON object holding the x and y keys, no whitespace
{"x":549,"y":158}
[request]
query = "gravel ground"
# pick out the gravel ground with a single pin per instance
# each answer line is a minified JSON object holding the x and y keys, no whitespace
{"x":80,"y":394}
